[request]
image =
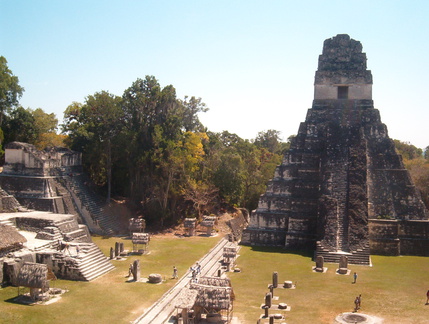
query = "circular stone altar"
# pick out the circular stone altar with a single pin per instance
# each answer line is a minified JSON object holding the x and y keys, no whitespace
{"x":155,"y":278}
{"x":355,"y":318}
{"x":287,"y":284}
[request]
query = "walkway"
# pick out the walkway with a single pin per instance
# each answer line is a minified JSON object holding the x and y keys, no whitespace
{"x":162,"y":310}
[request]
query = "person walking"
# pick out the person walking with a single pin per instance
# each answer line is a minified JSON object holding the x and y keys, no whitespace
{"x":427,"y":298}
{"x":175,"y":276}
{"x":356,"y":304}
{"x":355,"y":277}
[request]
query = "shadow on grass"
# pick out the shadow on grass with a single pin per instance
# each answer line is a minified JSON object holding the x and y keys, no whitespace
{"x":21,"y":300}
{"x":277,"y":249}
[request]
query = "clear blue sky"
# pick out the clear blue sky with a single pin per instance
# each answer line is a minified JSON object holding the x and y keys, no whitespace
{"x":252,"y":62}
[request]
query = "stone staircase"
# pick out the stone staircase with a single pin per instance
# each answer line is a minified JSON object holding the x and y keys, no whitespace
{"x":50,"y":233}
{"x":360,"y":256}
{"x":8,"y":222}
{"x":93,"y":203}
{"x":92,"y":263}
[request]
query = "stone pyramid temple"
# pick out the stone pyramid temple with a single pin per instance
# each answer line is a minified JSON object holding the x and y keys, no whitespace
{"x":342,"y":189}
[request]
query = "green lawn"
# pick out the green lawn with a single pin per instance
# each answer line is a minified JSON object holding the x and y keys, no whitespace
{"x":394,"y":288}
{"x":110,"y":299}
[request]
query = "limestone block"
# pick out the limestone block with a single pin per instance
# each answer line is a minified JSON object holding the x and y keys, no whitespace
{"x":155,"y":278}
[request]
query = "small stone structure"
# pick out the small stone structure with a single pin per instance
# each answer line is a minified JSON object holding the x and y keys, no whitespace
{"x":140,"y":240}
{"x":214,"y":299}
{"x":342,"y":174}
{"x":210,"y":300}
{"x":25,"y":159}
{"x":155,"y":278}
{"x":190,"y":225}
{"x":342,"y":268}
{"x":344,"y":261}
{"x":209,"y":222}
{"x":229,"y":256}
{"x":136,"y":225}
{"x":268,"y":299}
{"x":55,"y":240}
{"x":319,"y":263}
{"x":136,"y":270}
{"x":31,"y":176}
{"x":275,"y":279}
{"x":35,"y":276}
{"x":52,"y":180}
{"x":288,"y":284}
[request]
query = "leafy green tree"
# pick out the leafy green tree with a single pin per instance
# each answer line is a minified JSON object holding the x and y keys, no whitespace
{"x":228,"y":177}
{"x":44,"y":122}
{"x":407,"y":150}
{"x":103,"y":117}
{"x":269,"y":140}
{"x":19,"y":125}
{"x":10,"y":90}
{"x":74,"y":127}
{"x":193,"y":106}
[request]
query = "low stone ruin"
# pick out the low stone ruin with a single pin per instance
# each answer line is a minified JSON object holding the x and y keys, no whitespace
{"x":342,"y":268}
{"x":136,"y":225}
{"x":319,"y":264}
{"x":56,"y":241}
{"x":155,"y":278}
{"x":208,"y":222}
{"x":268,"y":302}
{"x":140,"y":242}
{"x":229,"y":256}
{"x":190,"y":225}
{"x":52,"y":180}
{"x":135,"y":270}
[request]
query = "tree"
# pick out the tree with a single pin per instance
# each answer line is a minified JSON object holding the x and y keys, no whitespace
{"x":193,"y":106}
{"x":19,"y":125}
{"x":10,"y":90}
{"x":46,"y":126}
{"x":407,"y":150}
{"x":50,"y":139}
{"x":201,"y":194}
{"x":103,"y":116}
{"x":74,"y":127}
{"x":44,"y":122}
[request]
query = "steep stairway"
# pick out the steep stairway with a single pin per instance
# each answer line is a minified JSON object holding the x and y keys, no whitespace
{"x":360,"y":256}
{"x":94,"y":204}
{"x":92,"y":263}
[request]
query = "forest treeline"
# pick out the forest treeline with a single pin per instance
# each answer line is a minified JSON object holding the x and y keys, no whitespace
{"x":149,"y":147}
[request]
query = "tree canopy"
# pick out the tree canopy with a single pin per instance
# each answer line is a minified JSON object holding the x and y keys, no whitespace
{"x":10,"y":90}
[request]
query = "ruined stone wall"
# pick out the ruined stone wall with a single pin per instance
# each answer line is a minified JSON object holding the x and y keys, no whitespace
{"x":25,"y":159}
{"x":399,"y":237}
